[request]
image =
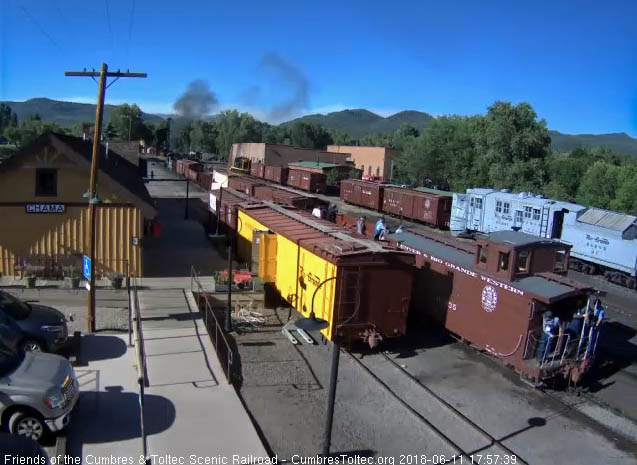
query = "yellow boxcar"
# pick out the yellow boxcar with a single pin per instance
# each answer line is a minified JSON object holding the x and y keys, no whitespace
{"x":352,"y":279}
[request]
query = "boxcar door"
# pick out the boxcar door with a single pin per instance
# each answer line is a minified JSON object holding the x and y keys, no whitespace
{"x":459,"y":214}
{"x":474,"y":219}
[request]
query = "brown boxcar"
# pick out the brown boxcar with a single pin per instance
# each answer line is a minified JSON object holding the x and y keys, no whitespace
{"x":192,"y":174}
{"x":307,"y":180}
{"x":363,"y":193}
{"x":205,"y":180}
{"x":244,"y":184}
{"x":494,"y":295}
{"x":277,"y":174}
{"x":285,"y":197}
{"x":425,"y":207}
{"x":257,"y":169}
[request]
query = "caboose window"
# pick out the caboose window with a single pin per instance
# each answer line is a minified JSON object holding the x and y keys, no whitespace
{"x":560,"y":260}
{"x":536,"y":214}
{"x":522,"y":264}
{"x":506,"y":208}
{"x":503,"y":261}
{"x":483,"y":253}
{"x":527,"y":212}
{"x":498,"y":206}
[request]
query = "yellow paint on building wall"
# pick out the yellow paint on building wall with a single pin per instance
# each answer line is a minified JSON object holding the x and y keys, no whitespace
{"x":29,"y":234}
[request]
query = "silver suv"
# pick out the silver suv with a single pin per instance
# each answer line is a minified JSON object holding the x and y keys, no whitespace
{"x":37,"y":391}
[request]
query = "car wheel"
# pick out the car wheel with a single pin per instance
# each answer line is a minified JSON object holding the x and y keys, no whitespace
{"x":28,"y":425}
{"x":31,"y":345}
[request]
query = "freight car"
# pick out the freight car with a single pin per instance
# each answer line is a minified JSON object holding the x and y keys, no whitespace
{"x":497,"y":294}
{"x":277,"y":174}
{"x":244,"y":184}
{"x":308,"y":181}
{"x":257,"y":169}
{"x":433,"y":208}
{"x":603,"y":241}
{"x":342,"y":279}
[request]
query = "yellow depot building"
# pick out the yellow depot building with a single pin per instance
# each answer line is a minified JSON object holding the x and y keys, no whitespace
{"x":43,"y":210}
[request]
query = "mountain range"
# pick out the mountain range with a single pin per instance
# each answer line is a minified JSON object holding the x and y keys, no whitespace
{"x":63,"y":113}
{"x":356,"y":123}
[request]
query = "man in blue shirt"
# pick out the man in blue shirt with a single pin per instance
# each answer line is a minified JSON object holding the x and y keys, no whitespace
{"x":379,"y":230}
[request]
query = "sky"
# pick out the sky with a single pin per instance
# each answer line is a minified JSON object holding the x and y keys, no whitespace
{"x":575,"y":62}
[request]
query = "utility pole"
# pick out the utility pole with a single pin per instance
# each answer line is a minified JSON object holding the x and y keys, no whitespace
{"x":92,"y":191}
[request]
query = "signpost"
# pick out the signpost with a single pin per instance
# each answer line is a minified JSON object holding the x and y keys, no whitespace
{"x":86,"y":267}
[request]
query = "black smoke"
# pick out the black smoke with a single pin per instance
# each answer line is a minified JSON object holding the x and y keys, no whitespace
{"x":197,"y":101}
{"x":291,"y":77}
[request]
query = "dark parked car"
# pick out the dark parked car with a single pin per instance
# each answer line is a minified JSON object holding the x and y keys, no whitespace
{"x":43,"y":328}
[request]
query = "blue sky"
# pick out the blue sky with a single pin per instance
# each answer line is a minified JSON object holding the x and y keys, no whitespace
{"x":574,"y":61}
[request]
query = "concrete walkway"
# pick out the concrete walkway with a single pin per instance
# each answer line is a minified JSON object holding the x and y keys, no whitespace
{"x":209,"y":419}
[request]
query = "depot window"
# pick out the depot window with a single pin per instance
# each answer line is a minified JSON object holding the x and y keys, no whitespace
{"x":527,"y":212}
{"x":478,"y":203}
{"x":506,"y":207}
{"x":483,"y":253}
{"x":503,"y":261}
{"x":518,"y":216}
{"x":536,"y":214}
{"x":498,"y":206}
{"x":46,"y":182}
{"x":560,"y":260}
{"x":522,"y":264}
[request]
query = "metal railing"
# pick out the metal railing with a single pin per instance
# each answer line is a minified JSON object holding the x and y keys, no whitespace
{"x":142,"y":377}
{"x":559,"y":348}
{"x":213,"y":326}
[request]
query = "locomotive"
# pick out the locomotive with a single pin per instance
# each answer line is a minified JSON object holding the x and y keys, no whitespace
{"x":602,"y":241}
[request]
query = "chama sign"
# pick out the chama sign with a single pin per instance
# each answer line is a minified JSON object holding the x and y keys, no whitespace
{"x":45,"y":208}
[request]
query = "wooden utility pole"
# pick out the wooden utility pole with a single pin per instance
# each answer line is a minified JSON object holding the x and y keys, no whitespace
{"x":93,"y":199}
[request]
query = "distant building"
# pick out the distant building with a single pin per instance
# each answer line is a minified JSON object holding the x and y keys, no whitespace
{"x":44,"y":209}
{"x":281,"y":155}
{"x":375,"y":162}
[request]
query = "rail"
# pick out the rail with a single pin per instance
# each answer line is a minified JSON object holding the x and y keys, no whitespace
{"x":214,"y":328}
{"x":142,"y":376}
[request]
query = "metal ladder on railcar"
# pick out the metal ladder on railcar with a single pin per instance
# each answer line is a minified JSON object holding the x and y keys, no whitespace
{"x":544,"y":222}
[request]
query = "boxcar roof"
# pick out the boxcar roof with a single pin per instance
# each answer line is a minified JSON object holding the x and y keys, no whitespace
{"x":433,"y":247}
{"x":607,"y":219}
{"x":541,"y":286}
{"x":433,"y":191}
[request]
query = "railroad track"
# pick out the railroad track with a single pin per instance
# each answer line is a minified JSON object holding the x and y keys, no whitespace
{"x":475,"y":441}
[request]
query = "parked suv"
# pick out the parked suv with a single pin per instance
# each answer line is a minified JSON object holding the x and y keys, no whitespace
{"x":37,"y":390}
{"x":42,"y":328}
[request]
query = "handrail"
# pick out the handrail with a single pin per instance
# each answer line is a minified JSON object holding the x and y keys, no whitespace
{"x":217,"y":329}
{"x":142,"y":378}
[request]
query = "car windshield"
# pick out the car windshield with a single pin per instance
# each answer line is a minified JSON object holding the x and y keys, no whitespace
{"x":13,"y":307}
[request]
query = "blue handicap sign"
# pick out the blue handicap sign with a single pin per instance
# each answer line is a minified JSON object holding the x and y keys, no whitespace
{"x":86,"y":267}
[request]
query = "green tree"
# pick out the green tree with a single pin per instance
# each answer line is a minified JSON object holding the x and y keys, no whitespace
{"x":340,"y":137}
{"x":127,"y":122}
{"x":511,"y":134}
{"x":231,"y":127}
{"x":309,"y":135}
{"x":599,"y":185}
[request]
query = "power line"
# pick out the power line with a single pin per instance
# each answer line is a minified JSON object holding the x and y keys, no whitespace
{"x":108,"y":21}
{"x":130,"y":30}
{"x":44,"y":33}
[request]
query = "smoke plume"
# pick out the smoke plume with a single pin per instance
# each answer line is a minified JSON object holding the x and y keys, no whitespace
{"x":197,"y":101}
{"x":287,"y":75}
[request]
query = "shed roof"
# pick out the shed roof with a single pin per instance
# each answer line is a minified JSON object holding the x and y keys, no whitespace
{"x":607,"y":219}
